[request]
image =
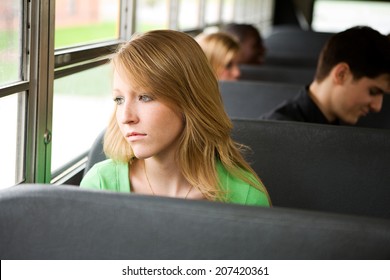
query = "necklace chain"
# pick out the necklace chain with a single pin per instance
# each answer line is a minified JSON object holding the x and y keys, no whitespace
{"x":150,"y":186}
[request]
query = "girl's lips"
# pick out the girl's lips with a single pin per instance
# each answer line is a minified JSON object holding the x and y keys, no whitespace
{"x":133,"y":136}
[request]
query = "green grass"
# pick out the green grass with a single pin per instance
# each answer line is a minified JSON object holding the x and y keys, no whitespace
{"x":77,"y":35}
{"x":9,"y":50}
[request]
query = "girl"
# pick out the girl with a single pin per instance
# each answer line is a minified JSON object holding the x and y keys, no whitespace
{"x":169,"y":134}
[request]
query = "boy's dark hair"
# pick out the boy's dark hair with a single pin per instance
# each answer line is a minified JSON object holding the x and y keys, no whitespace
{"x":365,"y":50}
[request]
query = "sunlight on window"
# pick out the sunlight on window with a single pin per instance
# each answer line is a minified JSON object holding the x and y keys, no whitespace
{"x":80,"y":112}
{"x":188,"y":14}
{"x":152,"y":14}
{"x":336,"y":16}
{"x":8,"y":144}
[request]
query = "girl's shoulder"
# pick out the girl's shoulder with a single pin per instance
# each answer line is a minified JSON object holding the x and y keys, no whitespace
{"x":239,"y":191}
{"x":107,"y":175}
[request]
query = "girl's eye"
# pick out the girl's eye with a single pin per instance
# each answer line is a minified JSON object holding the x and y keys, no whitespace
{"x":119,"y":100}
{"x":145,"y":98}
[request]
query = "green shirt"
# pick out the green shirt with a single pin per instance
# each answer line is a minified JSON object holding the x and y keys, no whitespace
{"x":113,"y":176}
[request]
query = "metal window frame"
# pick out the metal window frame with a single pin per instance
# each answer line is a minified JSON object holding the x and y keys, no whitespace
{"x":40,"y":50}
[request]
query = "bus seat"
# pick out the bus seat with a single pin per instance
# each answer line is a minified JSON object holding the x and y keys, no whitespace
{"x":326,"y":168}
{"x":277,"y":74}
{"x":64,"y":222}
{"x":249,"y":99}
{"x":294,"y":47}
{"x":314,"y":167}
{"x":96,"y":153}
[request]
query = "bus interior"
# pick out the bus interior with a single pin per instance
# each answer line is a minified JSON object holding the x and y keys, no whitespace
{"x":329,"y":185}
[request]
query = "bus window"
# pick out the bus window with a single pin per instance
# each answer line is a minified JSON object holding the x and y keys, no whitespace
{"x":11,"y":143}
{"x":336,"y":16}
{"x":10,"y":41}
{"x":228,"y":11}
{"x":212,"y":11}
{"x":189,"y":14}
{"x":86,"y":33}
{"x":87,"y":21}
{"x":12,"y":109}
{"x":151,"y":15}
{"x":81,"y":107}
{"x":259,"y":13}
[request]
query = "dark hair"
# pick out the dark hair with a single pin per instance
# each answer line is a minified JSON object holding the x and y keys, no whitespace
{"x":365,"y":50}
{"x":241,"y":31}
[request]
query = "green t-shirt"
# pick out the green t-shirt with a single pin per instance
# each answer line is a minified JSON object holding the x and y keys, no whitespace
{"x":113,"y":176}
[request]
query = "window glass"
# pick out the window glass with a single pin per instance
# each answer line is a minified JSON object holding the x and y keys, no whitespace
{"x":242,"y":10}
{"x":212,"y":11}
{"x":10,"y":41}
{"x":336,"y":16}
{"x":82,"y":106}
{"x":8,"y":140}
{"x":267,"y":9}
{"x":188,"y":14}
{"x":152,"y":14}
{"x":86,"y":21}
{"x":228,"y":11}
{"x":256,"y":12}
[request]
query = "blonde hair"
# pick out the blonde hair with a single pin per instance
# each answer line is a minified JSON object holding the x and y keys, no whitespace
{"x":172,"y":66}
{"x":220,"y":48}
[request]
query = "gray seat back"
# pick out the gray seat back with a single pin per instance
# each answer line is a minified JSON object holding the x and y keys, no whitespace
{"x":96,"y":153}
{"x":294,"y":47}
{"x":277,"y":74}
{"x":316,"y":167}
{"x":248,"y":99}
{"x":320,"y":167}
{"x":64,"y":222}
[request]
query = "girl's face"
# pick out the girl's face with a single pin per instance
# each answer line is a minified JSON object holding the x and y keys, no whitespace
{"x":230,"y":72}
{"x":150,"y":127}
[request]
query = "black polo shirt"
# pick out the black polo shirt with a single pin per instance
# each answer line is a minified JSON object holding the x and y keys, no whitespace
{"x":301,"y":108}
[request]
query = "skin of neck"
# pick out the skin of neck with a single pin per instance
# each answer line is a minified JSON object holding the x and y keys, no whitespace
{"x":165,"y":177}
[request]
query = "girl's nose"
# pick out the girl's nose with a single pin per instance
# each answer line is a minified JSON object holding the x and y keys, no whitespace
{"x":127,"y":114}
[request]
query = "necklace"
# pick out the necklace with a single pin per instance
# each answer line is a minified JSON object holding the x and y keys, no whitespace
{"x":150,"y":186}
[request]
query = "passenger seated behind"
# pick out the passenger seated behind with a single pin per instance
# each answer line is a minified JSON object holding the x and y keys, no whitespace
{"x":252,"y":49}
{"x":169,"y":134}
{"x":353,"y":73}
{"x":222,"y":51}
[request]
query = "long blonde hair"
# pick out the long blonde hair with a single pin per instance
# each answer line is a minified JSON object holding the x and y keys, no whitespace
{"x":172,"y":66}
{"x":220,"y":49}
